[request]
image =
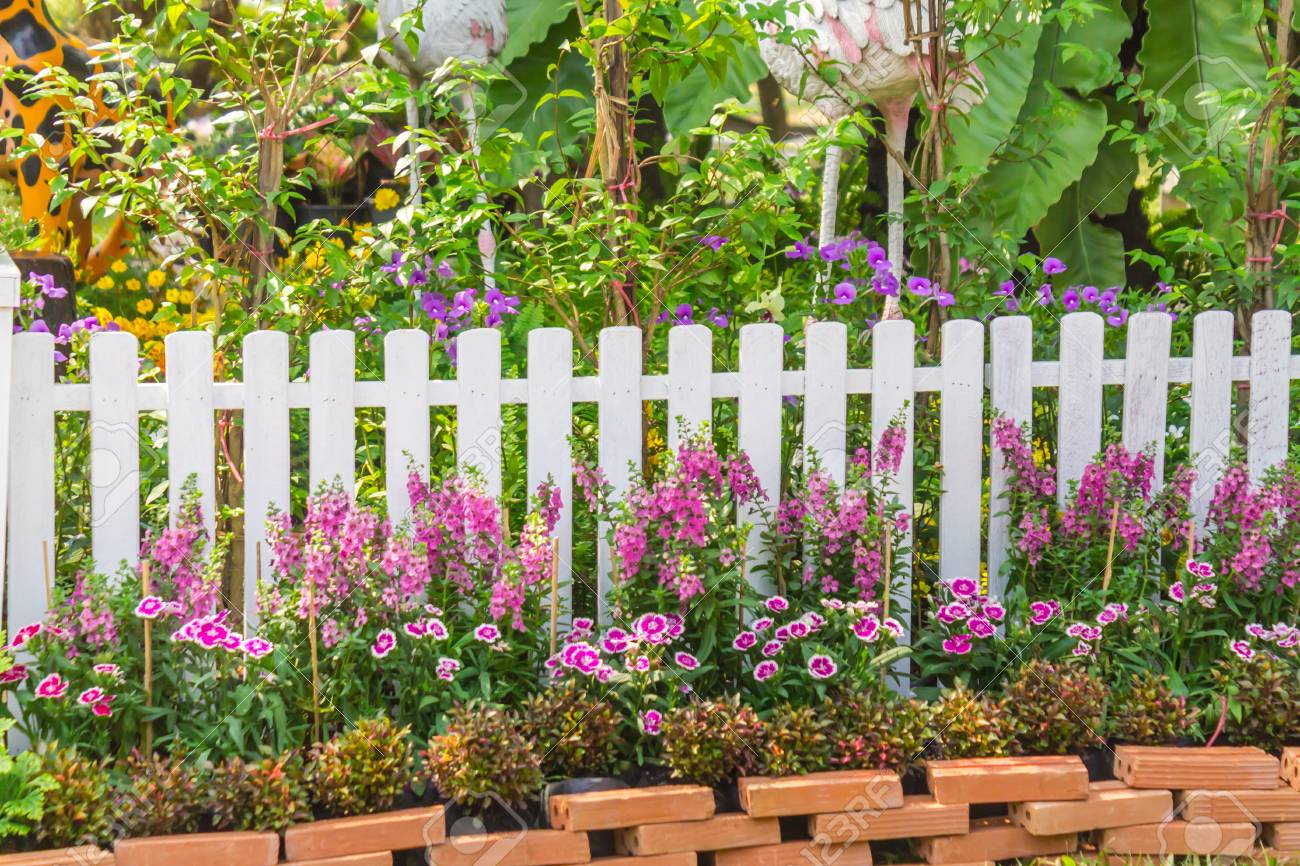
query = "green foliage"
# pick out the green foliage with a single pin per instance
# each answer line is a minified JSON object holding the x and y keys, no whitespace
{"x":797,"y":741}
{"x":79,"y":807}
{"x":968,"y":725}
{"x":877,"y":729}
{"x":1053,"y":708}
{"x":162,"y":795}
{"x":1263,"y":700}
{"x":360,"y":770}
{"x":259,"y":795}
{"x":24,"y":785}
{"x":711,"y":742}
{"x":483,"y":757}
{"x":575,"y":733}
{"x":1148,"y":713}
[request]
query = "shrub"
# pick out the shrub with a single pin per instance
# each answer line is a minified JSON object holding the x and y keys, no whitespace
{"x":1053,"y":708}
{"x":575,"y":733}
{"x":79,"y":807}
{"x":1148,"y":713}
{"x":1263,"y":700}
{"x":482,"y":756}
{"x":711,"y":742}
{"x":876,"y":730}
{"x":162,"y":795}
{"x":361,"y":770}
{"x":796,"y":742}
{"x":23,"y":788}
{"x":967,"y":725}
{"x":264,"y":795}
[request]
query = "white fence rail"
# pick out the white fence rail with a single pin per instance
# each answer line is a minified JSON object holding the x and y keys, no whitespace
{"x":114,"y":400}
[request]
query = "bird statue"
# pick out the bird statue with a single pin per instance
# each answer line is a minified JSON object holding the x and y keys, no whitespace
{"x":471,"y":31}
{"x":867,"y":40}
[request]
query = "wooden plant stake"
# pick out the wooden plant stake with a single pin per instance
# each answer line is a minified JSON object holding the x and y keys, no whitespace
{"x":1191,"y":540}
{"x":148,"y":660}
{"x":49,"y":587}
{"x":555,"y":593}
{"x":889,"y":561}
{"x":1110,"y":547}
{"x":315,"y":662}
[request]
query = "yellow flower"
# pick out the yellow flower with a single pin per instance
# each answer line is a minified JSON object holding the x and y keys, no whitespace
{"x":145,"y":306}
{"x":173,"y":295}
{"x":313,"y":259}
{"x":118,"y":267}
{"x":187,"y":297}
{"x":105,"y":282}
{"x":133,"y":285}
{"x":386,"y":199}
{"x":102,"y":315}
{"x":124,"y":323}
{"x":206,"y":316}
{"x":156,"y":278}
{"x":141,"y":328}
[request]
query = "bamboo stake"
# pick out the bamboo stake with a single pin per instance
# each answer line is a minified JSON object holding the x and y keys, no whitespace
{"x":1191,"y":540}
{"x":49,"y":587}
{"x":889,"y":560}
{"x":555,"y":593}
{"x":1110,"y":547}
{"x":148,"y":660}
{"x":315,"y":662}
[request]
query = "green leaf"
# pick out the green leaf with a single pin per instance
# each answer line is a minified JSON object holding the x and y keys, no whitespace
{"x":690,"y":100}
{"x":528,"y":22}
{"x":1084,"y":54}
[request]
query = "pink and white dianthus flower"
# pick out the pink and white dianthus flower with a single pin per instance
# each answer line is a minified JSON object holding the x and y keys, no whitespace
{"x":108,"y":669}
{"x":652,"y":628}
{"x":26,"y":633}
{"x":822,"y":667}
{"x":1242,"y":649}
{"x":771,"y":648}
{"x":16,"y":674}
{"x":150,"y":607}
{"x":776,"y":604}
{"x":867,"y":629}
{"x":744,"y":641}
{"x":384,"y":643}
{"x":487,"y":632}
{"x":651,"y":722}
{"x":964,"y":587}
{"x":765,"y":670}
{"x":981,"y":627}
{"x":763,"y":623}
{"x":958,"y":644}
{"x":53,"y":687}
{"x":258,"y":647}
{"x":92,"y":695}
{"x":686,"y":661}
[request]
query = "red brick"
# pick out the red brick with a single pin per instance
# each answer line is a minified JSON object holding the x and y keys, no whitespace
{"x":1217,"y":768}
{"x":627,"y":807}
{"x":1283,"y":837}
{"x":1008,"y":780}
{"x":714,"y":834}
{"x":200,"y":849}
{"x":520,"y":848}
{"x":843,"y":791}
{"x":80,"y":855}
{"x":919,"y":816}
{"x":1109,"y":804}
{"x":1202,"y":838}
{"x":994,"y":839}
{"x":1241,"y":807}
{"x":1291,"y":766}
{"x":373,"y":858}
{"x":800,"y":853}
{"x":387,"y":831}
{"x":681,"y":858}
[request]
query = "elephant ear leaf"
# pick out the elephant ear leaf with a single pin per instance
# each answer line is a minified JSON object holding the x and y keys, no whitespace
{"x":528,"y":22}
{"x":1082,"y":53}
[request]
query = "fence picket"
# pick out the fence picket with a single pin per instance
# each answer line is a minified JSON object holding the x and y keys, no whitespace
{"x":759,"y":431}
{"x":31,"y":478}
{"x":1211,"y":425}
{"x":825,"y":397}
{"x":1011,"y":393}
{"x":690,"y":394}
{"x":406,"y":415}
{"x":1270,"y":391}
{"x":893,"y":349}
{"x":961,"y":450}
{"x":332,"y":442}
{"x":550,"y":423}
{"x":114,"y":450}
{"x":619,"y":418}
{"x":266,"y":450}
{"x":1078,"y":417}
{"x":1146,"y":387}
{"x":190,"y":422}
{"x":478,"y":412}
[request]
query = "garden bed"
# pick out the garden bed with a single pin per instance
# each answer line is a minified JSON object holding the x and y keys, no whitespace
{"x":1040,"y":809}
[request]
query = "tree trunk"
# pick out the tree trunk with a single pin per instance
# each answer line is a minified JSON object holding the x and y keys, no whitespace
{"x":771,"y":99}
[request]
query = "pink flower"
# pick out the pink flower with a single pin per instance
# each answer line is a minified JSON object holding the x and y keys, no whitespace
{"x":384,"y":643}
{"x":447,"y":668}
{"x":415,"y":629}
{"x":957,"y":645}
{"x":867,"y":629}
{"x":1040,"y":612}
{"x":110,"y":670}
{"x":744,"y":641}
{"x":93,"y":695}
{"x":604,"y":673}
{"x":652,"y":628}
{"x":15,"y":674}
{"x":822,"y":666}
{"x":765,"y":670}
{"x":892,"y":626}
{"x":798,"y":629}
{"x":102,"y":708}
{"x":582,"y":657}
{"x":25,"y":634}
{"x":150,"y":607}
{"x":1177,"y":592}
{"x":1083,"y":649}
{"x":954,"y":612}
{"x":257,"y":647}
{"x":1241,"y":648}
{"x":435,"y":629}
{"x":640,"y":664}
{"x":651,"y":720}
{"x":763,"y":623}
{"x":53,"y":687}
{"x":686,"y":661}
{"x":980,"y":627}
{"x":964,"y":587}
{"x":993,"y":610}
{"x":487,"y":632}
{"x":771,"y":648}
{"x":776,"y":604}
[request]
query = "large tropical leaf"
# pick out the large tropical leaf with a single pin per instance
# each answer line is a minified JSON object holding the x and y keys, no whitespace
{"x":529,"y":21}
{"x":1084,"y":54}
{"x":689,"y":101}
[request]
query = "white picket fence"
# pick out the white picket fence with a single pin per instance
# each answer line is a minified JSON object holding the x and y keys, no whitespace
{"x":189,"y":398}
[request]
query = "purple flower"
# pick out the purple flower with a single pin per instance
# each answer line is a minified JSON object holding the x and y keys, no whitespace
{"x":393,"y":265}
{"x":682,"y":315}
{"x":1053,"y":266}
{"x":800,"y":250}
{"x":944,"y":298}
{"x":1090,"y":294}
{"x":1005,"y":289}
{"x":764,"y":670}
{"x":1045,"y":294}
{"x":822,"y":666}
{"x":877,"y":258}
{"x":444,"y":270}
{"x":1116,"y":320}
{"x":919,"y":286}
{"x":1070,"y":299}
{"x":717,"y":318}
{"x":713,"y":242}
{"x":686,"y":661}
{"x":845,"y":293}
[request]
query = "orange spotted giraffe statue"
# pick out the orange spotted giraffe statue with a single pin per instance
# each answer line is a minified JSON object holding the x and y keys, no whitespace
{"x":29,"y":42}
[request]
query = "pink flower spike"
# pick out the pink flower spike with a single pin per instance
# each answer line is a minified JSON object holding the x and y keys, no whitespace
{"x":822,"y":667}
{"x":150,"y":607}
{"x":384,"y":643}
{"x":53,"y":687}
